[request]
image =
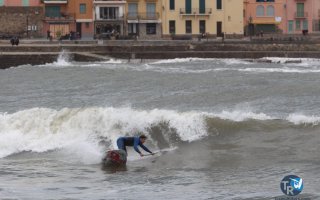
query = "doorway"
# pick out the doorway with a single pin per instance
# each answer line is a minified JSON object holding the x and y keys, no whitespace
{"x":219,"y":29}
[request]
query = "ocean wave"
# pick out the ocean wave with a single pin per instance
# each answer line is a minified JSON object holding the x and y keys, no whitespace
{"x":43,"y":129}
{"x":172,"y":70}
{"x":180,"y":60}
{"x":63,"y":59}
{"x":284,"y":60}
{"x":87,"y":132}
{"x":278,"y":70}
{"x":298,"y":119}
{"x":230,"y":61}
{"x":239,"y":116}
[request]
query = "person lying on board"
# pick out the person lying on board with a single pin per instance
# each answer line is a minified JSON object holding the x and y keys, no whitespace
{"x":123,"y":142}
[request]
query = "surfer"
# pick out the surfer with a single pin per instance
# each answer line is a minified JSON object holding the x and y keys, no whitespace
{"x":123,"y":142}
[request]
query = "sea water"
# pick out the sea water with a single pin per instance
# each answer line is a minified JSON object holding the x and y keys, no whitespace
{"x":224,"y":128}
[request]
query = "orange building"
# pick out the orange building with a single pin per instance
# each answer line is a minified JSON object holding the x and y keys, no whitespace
{"x":63,"y":17}
{"x":267,"y":16}
{"x":83,"y":10}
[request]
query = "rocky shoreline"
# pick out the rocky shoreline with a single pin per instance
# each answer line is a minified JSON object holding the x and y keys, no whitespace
{"x":36,"y":54}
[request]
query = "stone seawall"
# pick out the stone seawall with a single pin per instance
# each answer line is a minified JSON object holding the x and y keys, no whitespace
{"x":40,"y":54}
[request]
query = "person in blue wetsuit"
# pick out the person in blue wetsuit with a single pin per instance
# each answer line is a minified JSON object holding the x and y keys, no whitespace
{"x":123,"y":142}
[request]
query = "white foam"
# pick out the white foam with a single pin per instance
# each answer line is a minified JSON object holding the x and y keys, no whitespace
{"x":285,"y":60}
{"x":298,"y":119}
{"x":113,"y":61}
{"x":239,"y":115}
{"x":63,"y":59}
{"x":230,"y":61}
{"x":179,"y":60}
{"x":172,"y":70}
{"x":278,"y":70}
{"x":79,"y":131}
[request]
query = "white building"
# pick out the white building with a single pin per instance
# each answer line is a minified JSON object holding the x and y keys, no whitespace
{"x":109,"y":17}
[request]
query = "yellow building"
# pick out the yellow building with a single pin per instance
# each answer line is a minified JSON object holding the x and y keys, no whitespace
{"x":193,"y":17}
{"x":143,"y":18}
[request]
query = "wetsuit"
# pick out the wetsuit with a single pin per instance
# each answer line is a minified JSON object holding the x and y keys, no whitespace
{"x":123,"y":142}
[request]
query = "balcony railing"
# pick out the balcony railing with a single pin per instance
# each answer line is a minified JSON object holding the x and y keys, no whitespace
{"x":55,"y":1}
{"x":300,"y":14}
{"x":195,"y":11}
{"x":143,"y":16}
{"x":109,"y":1}
{"x":60,"y":17}
{"x":111,"y":18}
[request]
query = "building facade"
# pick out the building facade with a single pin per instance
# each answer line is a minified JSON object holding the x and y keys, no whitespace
{"x":58,"y":18}
{"x":84,"y":17}
{"x":109,"y":17}
{"x":264,"y":16}
{"x":22,"y":18}
{"x":281,"y":16}
{"x":143,"y":18}
{"x":302,"y":15}
{"x":19,"y":3}
{"x":63,"y":17}
{"x":194,"y":17}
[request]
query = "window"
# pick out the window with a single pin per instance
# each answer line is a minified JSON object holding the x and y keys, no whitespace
{"x":172,"y":4}
{"x":151,"y":10}
{"x":290,"y":26}
{"x":172,"y":26}
{"x":305,"y":24}
{"x":109,"y":12}
{"x":270,"y":11}
{"x":298,"y":25}
{"x":188,"y":6}
{"x":219,"y":4}
{"x":260,"y":11}
{"x":300,"y":10}
{"x":25,"y":2}
{"x":133,"y":9}
{"x":188,"y":26}
{"x":202,"y":26}
{"x":132,"y":29}
{"x":151,"y":29}
{"x":53,"y":11}
{"x":202,"y":6}
{"x":83,"y":8}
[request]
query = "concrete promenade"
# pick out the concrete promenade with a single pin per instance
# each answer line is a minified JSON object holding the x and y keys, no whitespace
{"x":42,"y":51}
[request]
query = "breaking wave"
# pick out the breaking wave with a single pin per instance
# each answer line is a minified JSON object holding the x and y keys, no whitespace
{"x":63,"y":60}
{"x":229,"y":61}
{"x":43,"y":129}
{"x":190,"y":66}
{"x":89,"y":131}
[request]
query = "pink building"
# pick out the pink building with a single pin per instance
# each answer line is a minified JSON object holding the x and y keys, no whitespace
{"x":20,"y":2}
{"x":267,"y":16}
{"x":281,"y":16}
{"x":302,"y":15}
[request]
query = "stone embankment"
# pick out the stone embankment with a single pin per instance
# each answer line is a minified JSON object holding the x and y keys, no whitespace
{"x":38,"y":53}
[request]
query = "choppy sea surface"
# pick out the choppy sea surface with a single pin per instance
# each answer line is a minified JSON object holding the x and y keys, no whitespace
{"x":224,"y":128}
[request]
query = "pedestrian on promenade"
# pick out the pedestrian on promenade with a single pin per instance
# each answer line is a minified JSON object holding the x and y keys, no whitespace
{"x":48,"y":34}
